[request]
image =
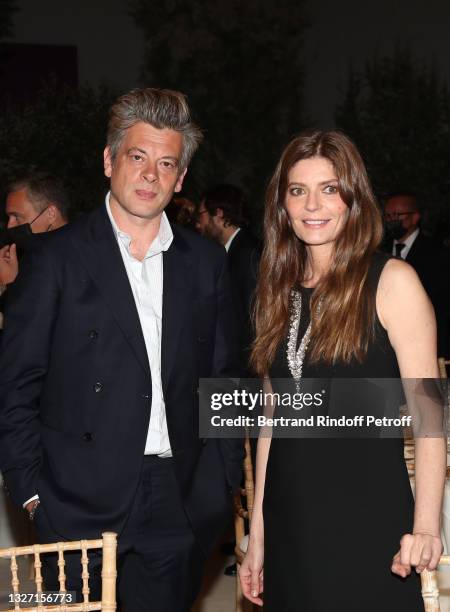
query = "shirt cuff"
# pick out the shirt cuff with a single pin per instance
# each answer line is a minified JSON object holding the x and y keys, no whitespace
{"x":30,"y":500}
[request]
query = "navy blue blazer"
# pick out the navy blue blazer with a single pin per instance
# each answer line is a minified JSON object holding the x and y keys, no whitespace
{"x":75,"y":382}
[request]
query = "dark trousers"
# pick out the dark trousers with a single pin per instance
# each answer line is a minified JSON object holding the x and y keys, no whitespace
{"x":159,"y":560}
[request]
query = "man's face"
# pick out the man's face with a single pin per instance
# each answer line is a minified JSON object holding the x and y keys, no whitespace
{"x":402,"y":209}
{"x":19,"y":210}
{"x":207,"y":224}
{"x":146,"y":170}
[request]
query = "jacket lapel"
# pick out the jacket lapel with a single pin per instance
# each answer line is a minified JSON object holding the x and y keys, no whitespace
{"x":97,"y":247}
{"x":177,"y":286}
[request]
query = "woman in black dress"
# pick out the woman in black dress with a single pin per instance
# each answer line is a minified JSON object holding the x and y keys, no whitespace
{"x":334,"y":524}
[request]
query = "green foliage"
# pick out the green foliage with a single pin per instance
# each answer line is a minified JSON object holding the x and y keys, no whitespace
{"x":398,"y":112}
{"x":62,"y":133}
{"x":240,"y":63}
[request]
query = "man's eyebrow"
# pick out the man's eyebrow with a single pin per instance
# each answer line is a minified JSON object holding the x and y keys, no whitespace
{"x":172,"y":157}
{"x":136,"y":149}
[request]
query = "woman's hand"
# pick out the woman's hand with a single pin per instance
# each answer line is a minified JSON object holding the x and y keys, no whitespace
{"x":419,"y":550}
{"x":251,"y":573}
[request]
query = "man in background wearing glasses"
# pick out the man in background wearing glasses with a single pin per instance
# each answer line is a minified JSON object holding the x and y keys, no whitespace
{"x":430,"y":259}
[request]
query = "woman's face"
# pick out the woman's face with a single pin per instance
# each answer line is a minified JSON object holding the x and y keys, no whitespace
{"x":315,"y":208}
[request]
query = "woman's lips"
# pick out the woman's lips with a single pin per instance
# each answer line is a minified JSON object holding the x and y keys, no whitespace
{"x":315,"y":222}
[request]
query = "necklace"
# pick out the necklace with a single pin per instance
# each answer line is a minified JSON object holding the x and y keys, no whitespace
{"x":296,"y":357}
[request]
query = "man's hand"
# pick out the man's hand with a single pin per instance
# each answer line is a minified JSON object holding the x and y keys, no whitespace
{"x":9,"y":266}
{"x":32,"y":504}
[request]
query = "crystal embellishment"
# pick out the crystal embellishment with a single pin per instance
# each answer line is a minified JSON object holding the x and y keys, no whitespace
{"x":295,"y":357}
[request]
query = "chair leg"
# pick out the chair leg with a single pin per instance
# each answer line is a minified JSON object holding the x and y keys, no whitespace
{"x":430,"y":592}
{"x":239,"y":596}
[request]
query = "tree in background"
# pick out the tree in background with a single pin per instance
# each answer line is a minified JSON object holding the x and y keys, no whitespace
{"x":240,"y":64}
{"x":398,"y":112}
{"x":63,"y":133}
{"x":7,"y":10}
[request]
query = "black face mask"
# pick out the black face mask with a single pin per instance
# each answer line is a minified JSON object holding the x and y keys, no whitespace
{"x":19,"y":235}
{"x":394,"y":229}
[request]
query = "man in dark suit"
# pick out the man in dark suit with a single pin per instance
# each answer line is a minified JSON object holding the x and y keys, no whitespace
{"x":36,"y":202}
{"x":110,"y":325}
{"x":430,"y":259}
{"x":222,"y":216}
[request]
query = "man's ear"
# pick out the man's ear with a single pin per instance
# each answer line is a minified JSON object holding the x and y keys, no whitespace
{"x":219,"y":213}
{"x":107,"y":162}
{"x":52,"y":211}
{"x":180,"y":179}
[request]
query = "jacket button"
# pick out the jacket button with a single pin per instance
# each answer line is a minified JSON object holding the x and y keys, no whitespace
{"x":93,"y":334}
{"x":201,"y":339}
{"x":98,"y":387}
{"x":87,"y":437}
{"x":145,"y":396}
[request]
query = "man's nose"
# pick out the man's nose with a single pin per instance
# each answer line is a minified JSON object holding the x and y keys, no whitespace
{"x":149,"y":172}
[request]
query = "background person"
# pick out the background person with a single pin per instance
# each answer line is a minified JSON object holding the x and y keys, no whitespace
{"x":38,"y":200}
{"x":223,"y":216}
{"x":430,"y":259}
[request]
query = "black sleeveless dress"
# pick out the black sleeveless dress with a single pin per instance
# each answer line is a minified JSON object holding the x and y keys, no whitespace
{"x":335,"y":509}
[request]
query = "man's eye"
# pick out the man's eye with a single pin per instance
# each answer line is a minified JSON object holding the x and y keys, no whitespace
{"x":167,"y":164}
{"x":136,"y":157}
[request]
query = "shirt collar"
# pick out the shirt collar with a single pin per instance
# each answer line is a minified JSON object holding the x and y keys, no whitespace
{"x":162,"y":241}
{"x":409,"y":241}
{"x":231,"y":238}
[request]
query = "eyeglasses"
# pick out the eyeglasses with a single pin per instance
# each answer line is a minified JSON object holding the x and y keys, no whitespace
{"x":395,"y":216}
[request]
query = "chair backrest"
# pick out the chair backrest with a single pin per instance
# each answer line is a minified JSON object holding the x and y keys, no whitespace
{"x":443,"y":365}
{"x":109,"y":574}
{"x":244,"y":512}
{"x":430,"y":590}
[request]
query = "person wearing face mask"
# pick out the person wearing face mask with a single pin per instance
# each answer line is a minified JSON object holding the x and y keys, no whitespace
{"x":36,"y":203}
{"x":430,"y":260}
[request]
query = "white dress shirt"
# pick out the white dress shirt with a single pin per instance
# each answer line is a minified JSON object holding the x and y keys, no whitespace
{"x":146,"y":280}
{"x":230,"y":239}
{"x":408,"y":244}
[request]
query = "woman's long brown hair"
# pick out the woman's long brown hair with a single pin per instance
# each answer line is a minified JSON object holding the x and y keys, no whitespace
{"x":345,"y":322}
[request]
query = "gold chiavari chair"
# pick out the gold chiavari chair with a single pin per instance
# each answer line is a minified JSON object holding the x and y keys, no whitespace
{"x":108,"y":544}
{"x":242,"y":519}
{"x":430,"y":590}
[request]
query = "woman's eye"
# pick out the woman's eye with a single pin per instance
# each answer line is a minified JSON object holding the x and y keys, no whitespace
{"x":331,"y":189}
{"x":295,"y":191}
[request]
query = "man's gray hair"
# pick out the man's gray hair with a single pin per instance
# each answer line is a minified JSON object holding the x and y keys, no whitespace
{"x":161,"y":108}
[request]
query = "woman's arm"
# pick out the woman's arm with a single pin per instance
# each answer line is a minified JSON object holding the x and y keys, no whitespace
{"x":251,"y":570}
{"x":407,"y":314}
